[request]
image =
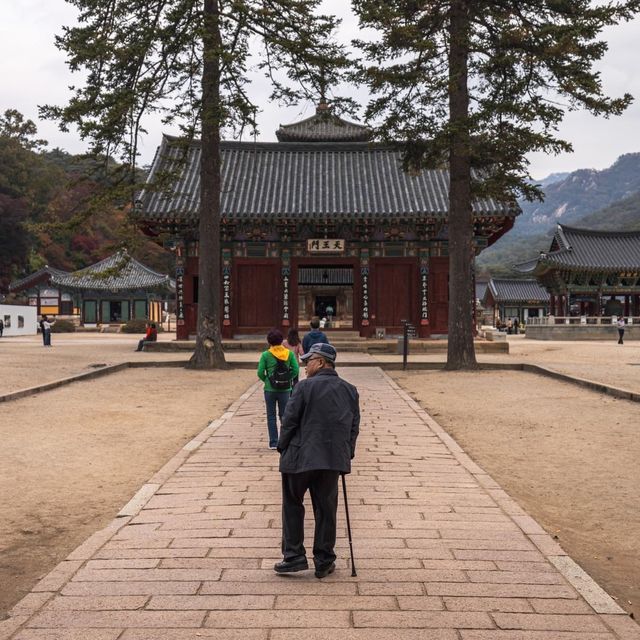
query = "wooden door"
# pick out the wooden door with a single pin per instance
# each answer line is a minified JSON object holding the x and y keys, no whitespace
{"x":439,"y":294}
{"x":394,"y":285}
{"x":257,"y":295}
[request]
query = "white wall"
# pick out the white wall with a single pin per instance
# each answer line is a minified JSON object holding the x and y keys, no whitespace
{"x":14,"y":312}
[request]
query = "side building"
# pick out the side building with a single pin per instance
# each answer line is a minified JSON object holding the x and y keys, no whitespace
{"x":114,"y":290}
{"x":590,"y":273}
{"x":506,"y":299}
{"x":323,"y":222}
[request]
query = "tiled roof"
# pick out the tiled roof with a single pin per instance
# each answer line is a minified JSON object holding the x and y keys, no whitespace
{"x":301,"y":181}
{"x":589,"y":250}
{"x":481,"y":288}
{"x":504,"y":290}
{"x":45,"y":274}
{"x":323,"y":127}
{"x":115,"y":273}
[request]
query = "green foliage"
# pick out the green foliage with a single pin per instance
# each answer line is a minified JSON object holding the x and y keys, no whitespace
{"x":528,"y":63}
{"x":623,"y":215}
{"x":27,"y":184}
{"x":63,"y":326}
{"x":15,"y":127}
{"x":134,"y":326}
{"x":49,"y":212}
{"x":143,"y":57}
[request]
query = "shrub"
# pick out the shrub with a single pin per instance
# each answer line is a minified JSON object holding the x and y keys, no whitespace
{"x":63,"y":326}
{"x":134,"y":326}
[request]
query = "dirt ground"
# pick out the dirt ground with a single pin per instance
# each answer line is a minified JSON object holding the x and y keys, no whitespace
{"x":27,"y":363}
{"x":570,"y":457}
{"x":30,"y":363}
{"x":73,"y":457}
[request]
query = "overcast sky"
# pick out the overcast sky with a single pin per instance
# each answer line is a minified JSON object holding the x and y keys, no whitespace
{"x":33,"y":72}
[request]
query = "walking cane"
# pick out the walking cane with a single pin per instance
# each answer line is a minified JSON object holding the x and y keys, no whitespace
{"x":346,"y":509}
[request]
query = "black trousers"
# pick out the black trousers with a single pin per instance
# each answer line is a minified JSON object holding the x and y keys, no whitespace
{"x":323,"y":487}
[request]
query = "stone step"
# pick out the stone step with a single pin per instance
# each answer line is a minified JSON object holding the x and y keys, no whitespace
{"x":416,"y":346}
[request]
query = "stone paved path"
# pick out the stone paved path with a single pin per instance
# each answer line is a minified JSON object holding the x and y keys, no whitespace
{"x":442,"y":552}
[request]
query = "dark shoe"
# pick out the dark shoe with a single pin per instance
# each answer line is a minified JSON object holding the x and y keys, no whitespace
{"x":291,"y":566}
{"x":323,"y":572}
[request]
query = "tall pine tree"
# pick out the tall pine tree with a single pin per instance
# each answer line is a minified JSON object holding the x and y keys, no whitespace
{"x":479,"y":85}
{"x":190,"y":61}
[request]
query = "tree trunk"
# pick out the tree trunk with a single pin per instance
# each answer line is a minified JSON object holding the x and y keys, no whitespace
{"x":208,"y":353}
{"x":460,"y":349}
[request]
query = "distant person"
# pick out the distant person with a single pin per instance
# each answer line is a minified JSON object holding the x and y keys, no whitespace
{"x":46,"y":325}
{"x":516,"y":325}
{"x":1,"y":328}
{"x":620,"y":324}
{"x":315,"y":336}
{"x":151,"y":335}
{"x":294,"y":344}
{"x":277,"y":368}
{"x":509,"y":326}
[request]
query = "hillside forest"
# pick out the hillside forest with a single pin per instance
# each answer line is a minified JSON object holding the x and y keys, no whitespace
{"x":58,"y":209}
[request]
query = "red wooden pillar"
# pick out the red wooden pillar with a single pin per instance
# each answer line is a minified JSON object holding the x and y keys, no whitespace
{"x":626,"y":305}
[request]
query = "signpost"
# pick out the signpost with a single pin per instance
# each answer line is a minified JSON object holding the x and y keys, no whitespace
{"x":409,"y":331}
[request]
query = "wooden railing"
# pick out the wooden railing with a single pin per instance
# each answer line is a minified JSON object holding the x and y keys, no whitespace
{"x":582,"y":320}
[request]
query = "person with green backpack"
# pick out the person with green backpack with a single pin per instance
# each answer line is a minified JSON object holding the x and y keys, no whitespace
{"x":277,"y":368}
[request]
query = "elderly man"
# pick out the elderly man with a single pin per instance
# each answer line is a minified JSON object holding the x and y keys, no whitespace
{"x":317,"y":442}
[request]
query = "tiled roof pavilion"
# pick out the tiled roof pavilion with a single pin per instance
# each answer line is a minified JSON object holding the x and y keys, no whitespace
{"x":323,"y":126}
{"x":118,"y":272}
{"x":516,"y":291}
{"x":584,"y":266}
{"x":588,"y":250}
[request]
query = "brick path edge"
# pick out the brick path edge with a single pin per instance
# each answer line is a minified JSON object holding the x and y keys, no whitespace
{"x":599,"y":600}
{"x":47,"y":587}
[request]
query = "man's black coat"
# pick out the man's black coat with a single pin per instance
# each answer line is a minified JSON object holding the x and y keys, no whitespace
{"x":320,"y":425}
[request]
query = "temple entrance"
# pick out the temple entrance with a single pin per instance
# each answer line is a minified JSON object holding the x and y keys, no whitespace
{"x":326,"y":292}
{"x":326,"y":307}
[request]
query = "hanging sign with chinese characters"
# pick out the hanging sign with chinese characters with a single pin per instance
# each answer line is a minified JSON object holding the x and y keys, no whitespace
{"x":286,"y":274}
{"x":226,"y":297}
{"x":364,"y":277}
{"x":180,"y":294}
{"x":325,"y":245}
{"x":226,"y":288}
{"x":424,"y":294}
{"x":364,"y":274}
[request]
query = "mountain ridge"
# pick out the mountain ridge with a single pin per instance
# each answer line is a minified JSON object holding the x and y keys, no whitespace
{"x":587,"y":198}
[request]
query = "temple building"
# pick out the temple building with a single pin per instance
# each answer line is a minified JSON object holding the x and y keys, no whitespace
{"x":323,"y":222}
{"x":590,"y":273}
{"x":506,"y":299}
{"x":112,"y":291}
